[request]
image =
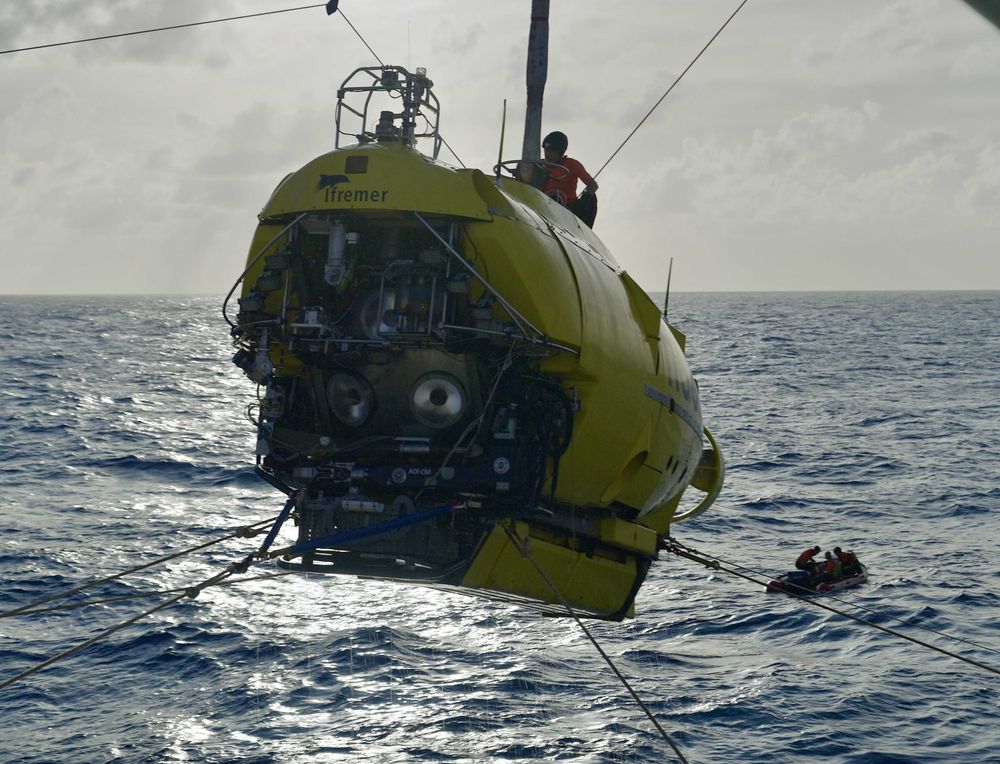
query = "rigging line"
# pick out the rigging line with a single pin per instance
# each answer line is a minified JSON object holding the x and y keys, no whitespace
{"x":655,"y":105}
{"x":161,"y":29}
{"x":525,"y":550}
{"x":192,"y":592}
{"x":361,"y":38}
{"x":692,"y":554}
{"x":146,"y":595}
{"x":253,"y":262}
{"x":516,"y":317}
{"x":244,"y":532}
{"x":874,"y":611}
{"x":78,"y":648}
{"x":453,"y":152}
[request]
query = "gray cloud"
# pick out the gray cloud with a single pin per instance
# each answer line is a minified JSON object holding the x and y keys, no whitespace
{"x":839,"y":145}
{"x":41,"y":22}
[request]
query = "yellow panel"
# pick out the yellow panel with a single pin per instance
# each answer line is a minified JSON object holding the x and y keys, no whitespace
{"x":541,"y":286}
{"x":561,"y":277}
{"x":486,"y":558}
{"x":629,"y":475}
{"x":638,"y":487}
{"x":261,"y":237}
{"x":629,"y":535}
{"x":552,"y":216}
{"x":661,"y":516}
{"x":396,"y":179}
{"x":614,"y":365}
{"x":647,"y":315}
{"x":680,"y":337}
{"x":595,"y":584}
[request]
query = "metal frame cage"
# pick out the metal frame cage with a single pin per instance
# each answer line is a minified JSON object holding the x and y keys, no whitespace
{"x":419,"y":116}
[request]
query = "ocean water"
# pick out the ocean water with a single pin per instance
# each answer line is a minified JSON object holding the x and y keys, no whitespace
{"x":868,"y":420}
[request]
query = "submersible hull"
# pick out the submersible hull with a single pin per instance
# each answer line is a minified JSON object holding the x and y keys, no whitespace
{"x":459,"y":386}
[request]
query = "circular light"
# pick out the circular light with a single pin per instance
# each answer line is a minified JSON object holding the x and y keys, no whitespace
{"x":437,"y":400}
{"x":351,"y":398}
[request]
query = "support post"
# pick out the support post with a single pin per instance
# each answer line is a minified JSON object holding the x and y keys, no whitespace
{"x":537,"y":71}
{"x":990,"y":9}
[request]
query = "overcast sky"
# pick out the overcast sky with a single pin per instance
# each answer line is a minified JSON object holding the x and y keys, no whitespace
{"x":816,"y":145}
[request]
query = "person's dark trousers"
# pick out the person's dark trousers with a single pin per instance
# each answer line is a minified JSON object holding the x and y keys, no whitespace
{"x":585,"y":208}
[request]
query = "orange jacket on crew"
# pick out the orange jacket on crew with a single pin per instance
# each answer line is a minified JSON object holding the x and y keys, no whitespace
{"x":806,"y":557}
{"x":560,"y":185}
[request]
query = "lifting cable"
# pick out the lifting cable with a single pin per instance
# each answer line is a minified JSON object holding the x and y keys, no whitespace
{"x":354,"y":29}
{"x":330,"y":6}
{"x":681,"y":550}
{"x":524,"y":548}
{"x":164,"y":29}
{"x":248,"y":531}
{"x":641,"y":121}
{"x":190,"y":591}
{"x":457,"y":157}
{"x":254,"y":558}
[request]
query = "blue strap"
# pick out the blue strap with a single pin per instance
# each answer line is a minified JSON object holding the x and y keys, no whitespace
{"x":371,"y":530}
{"x":272,"y":534}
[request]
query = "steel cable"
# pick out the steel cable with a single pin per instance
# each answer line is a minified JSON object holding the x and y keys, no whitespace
{"x":681,"y":550}
{"x":873,"y":611}
{"x":681,"y":75}
{"x":164,"y":29}
{"x":216,"y":21}
{"x":361,"y":38}
{"x":144,"y":595}
{"x":244,"y":532}
{"x":192,"y":591}
{"x":525,"y":550}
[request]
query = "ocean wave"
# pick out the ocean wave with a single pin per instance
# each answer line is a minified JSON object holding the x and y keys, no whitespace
{"x":847,"y":430}
{"x":174,"y":469}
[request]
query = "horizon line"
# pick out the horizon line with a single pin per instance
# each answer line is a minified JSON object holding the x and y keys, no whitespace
{"x":678,"y":291}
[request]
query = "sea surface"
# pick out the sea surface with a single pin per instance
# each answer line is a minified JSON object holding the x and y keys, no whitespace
{"x":868,"y":420}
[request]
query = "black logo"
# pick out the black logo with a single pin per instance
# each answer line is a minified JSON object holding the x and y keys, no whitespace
{"x":332,"y":195}
{"x":331,"y":181}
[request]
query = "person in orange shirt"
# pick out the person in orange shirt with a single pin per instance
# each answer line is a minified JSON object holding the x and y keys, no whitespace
{"x":805,"y":560}
{"x":831,"y":568}
{"x":848,"y":561}
{"x":562,"y":179}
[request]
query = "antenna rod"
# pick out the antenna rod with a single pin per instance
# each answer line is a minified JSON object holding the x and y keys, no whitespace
{"x":503,"y":130}
{"x":666,"y":297}
{"x":537,"y":71}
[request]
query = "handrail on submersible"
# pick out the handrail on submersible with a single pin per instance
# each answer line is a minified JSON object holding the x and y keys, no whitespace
{"x":713,"y":490}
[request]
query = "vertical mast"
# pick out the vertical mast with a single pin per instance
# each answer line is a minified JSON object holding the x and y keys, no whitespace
{"x":538,"y":66}
{"x":989,"y":8}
